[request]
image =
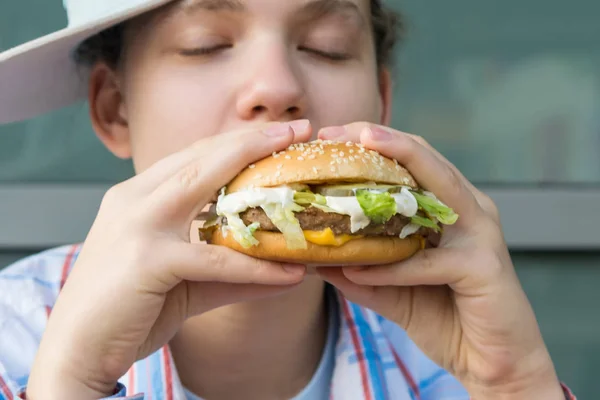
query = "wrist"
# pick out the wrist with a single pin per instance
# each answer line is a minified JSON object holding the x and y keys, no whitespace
{"x":58,"y":379}
{"x":544,"y":387}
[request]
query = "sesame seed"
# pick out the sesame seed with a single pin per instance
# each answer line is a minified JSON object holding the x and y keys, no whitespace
{"x":334,"y":155}
{"x":312,"y":157}
{"x":252,"y":166}
{"x":277,"y":174}
{"x":345,"y":161}
{"x":351,"y":151}
{"x":332,"y":162}
{"x":288,"y":157}
{"x":334,"y":150}
{"x":341,"y":154}
{"x":275,"y":155}
{"x":280,"y":166}
{"x":258,"y":176}
{"x":351,"y":158}
{"x":338,"y":160}
{"x":332,"y":169}
{"x":349,"y":144}
{"x":315,"y":170}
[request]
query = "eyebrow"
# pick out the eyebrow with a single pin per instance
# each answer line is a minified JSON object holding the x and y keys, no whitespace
{"x":318,"y":9}
{"x":213,"y":5}
{"x":312,"y":10}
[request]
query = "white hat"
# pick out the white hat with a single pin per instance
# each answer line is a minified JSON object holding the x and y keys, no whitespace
{"x":41,"y":76}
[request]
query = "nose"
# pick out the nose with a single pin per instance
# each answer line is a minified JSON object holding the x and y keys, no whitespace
{"x":272,"y":88}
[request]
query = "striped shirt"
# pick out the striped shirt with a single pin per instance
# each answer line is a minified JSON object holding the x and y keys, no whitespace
{"x":374,"y":358}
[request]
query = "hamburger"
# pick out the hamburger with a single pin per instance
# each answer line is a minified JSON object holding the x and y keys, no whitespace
{"x":326,"y":203}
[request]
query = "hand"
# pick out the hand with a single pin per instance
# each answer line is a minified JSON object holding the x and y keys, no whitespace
{"x":461,"y":302}
{"x":138,"y":277}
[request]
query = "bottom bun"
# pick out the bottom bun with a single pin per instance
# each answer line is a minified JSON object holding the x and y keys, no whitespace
{"x":364,"y":251}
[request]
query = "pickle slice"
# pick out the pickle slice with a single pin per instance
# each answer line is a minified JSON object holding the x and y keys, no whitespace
{"x":348,"y":190}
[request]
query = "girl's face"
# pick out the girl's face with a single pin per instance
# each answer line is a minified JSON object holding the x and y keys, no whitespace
{"x":199,"y":67}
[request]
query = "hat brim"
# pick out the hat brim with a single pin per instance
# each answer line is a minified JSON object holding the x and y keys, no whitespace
{"x":41,"y":76}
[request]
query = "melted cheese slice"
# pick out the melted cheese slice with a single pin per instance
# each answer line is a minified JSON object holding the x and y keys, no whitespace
{"x":328,"y":238}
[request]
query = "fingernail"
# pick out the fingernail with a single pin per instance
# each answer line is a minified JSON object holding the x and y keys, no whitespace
{"x":332,"y":132}
{"x":380,"y":134}
{"x":296,"y":269}
{"x":300,"y":125}
{"x":278,"y":130}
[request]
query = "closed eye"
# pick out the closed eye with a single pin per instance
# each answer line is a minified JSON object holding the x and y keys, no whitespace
{"x":329,"y":55}
{"x":203,"y":51}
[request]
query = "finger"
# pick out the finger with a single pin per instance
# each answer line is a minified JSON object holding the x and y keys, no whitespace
{"x":431,"y":171}
{"x":432,"y":174}
{"x":368,"y":296}
{"x":215,"y":163}
{"x":484,"y":200}
{"x":210,"y":263}
{"x":163,"y":169}
{"x":431,"y":267}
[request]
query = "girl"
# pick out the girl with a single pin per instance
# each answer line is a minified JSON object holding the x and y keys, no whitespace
{"x":193,"y":91}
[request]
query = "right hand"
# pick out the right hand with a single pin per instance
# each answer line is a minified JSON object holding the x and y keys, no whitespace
{"x":138,"y":277}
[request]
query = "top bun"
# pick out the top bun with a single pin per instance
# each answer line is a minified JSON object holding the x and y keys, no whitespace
{"x":322,"y":161}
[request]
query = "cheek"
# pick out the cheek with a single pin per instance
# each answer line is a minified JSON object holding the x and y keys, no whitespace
{"x":170,"y":110}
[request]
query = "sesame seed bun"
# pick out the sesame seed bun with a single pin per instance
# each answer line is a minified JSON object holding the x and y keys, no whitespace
{"x":364,"y":251}
{"x":322,"y":161}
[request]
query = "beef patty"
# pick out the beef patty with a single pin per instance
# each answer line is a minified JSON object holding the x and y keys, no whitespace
{"x":314,"y":219}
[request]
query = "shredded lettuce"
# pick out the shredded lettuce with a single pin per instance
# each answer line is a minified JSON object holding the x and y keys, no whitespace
{"x":435,"y":208}
{"x":242,"y":234}
{"x":379,"y":207}
{"x":426,"y":222}
{"x":285,"y":220}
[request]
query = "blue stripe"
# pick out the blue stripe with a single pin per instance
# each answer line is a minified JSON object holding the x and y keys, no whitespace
{"x":41,"y":282}
{"x":424,"y":384}
{"x":141,"y":383}
{"x":157,"y":374}
{"x":378,"y":383}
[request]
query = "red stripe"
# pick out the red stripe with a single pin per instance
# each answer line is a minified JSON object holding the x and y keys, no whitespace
{"x":5,"y":390}
{"x":67,"y":265}
{"x":568,"y":393}
{"x":407,"y":375}
{"x":48,"y":311}
{"x":359,"y":354}
{"x":131,"y":381}
{"x":168,"y":374}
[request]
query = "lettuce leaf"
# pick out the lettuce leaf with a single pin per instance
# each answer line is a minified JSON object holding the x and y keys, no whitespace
{"x":285,"y":220}
{"x":242,"y":234}
{"x":435,"y":208}
{"x":426,"y":222}
{"x":379,"y":207}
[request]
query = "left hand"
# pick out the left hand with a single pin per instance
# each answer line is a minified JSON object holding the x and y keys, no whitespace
{"x":461,"y":302}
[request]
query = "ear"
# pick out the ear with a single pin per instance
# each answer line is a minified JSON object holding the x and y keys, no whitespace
{"x":108,"y":111}
{"x":385,"y":91}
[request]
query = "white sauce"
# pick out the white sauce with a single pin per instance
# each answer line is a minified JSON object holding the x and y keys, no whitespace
{"x":238,"y":202}
{"x":406,"y":203}
{"x":349,"y":206}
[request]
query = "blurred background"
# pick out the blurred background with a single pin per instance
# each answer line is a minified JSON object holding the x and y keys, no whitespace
{"x":509,"y":91}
